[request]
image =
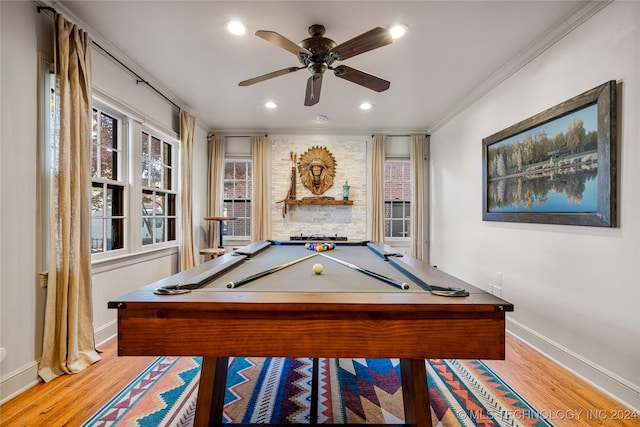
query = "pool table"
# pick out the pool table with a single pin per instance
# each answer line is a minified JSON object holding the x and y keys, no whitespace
{"x":294,"y":312}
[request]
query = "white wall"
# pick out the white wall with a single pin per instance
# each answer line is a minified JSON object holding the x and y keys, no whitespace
{"x":25,"y":33}
{"x":576,"y":290}
{"x":21,"y":297}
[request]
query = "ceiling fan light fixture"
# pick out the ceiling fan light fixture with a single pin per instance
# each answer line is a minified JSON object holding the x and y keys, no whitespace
{"x":235,"y":27}
{"x":270,"y":105}
{"x":365,"y":106}
{"x":398,"y":31}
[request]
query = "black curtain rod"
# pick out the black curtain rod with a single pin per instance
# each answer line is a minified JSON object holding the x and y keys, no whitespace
{"x":139,"y":79}
{"x":211,"y":135}
{"x":396,"y":135}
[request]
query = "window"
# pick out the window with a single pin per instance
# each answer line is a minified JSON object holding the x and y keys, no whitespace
{"x":397,"y":198}
{"x":238,"y":179}
{"x":134,"y":172}
{"x":107,"y":183}
{"x":158,"y":197}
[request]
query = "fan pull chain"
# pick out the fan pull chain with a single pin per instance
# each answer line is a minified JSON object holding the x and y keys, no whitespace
{"x":313,"y":80}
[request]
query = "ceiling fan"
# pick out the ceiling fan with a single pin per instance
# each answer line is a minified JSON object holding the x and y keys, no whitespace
{"x":318,"y":53}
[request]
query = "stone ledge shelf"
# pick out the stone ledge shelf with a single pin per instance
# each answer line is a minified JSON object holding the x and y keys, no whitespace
{"x":319,"y":201}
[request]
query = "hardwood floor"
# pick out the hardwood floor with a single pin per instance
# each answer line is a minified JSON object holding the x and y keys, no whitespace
{"x":71,"y":399}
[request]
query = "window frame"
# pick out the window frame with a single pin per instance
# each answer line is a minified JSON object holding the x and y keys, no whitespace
{"x":130,"y":122}
{"x":405,"y":203}
{"x":169,"y":193}
{"x":249,"y":200}
{"x":123,"y":166}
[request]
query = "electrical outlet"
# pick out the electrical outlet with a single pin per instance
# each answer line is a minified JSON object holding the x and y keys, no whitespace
{"x":497,"y":291}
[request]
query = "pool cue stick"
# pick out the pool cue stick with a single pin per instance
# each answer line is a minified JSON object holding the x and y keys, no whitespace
{"x":244,"y":280}
{"x":392,"y":282}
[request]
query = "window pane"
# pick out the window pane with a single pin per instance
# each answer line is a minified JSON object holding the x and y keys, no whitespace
{"x":94,"y":161}
{"x":167,"y":178}
{"x":109,"y":207}
{"x":228,"y":170}
{"x":397,"y":210}
{"x":147,"y":203}
{"x":229,"y":192}
{"x":171,"y":204}
{"x":147,"y":231}
{"x":240,"y":190}
{"x":97,"y":202}
{"x":116,"y":233}
{"x":106,"y":164}
{"x":107,"y":131}
{"x":117,"y":200}
{"x":156,"y":164}
{"x":159,"y":230}
{"x":159,"y":205}
{"x":167,"y":154}
{"x":97,"y":233}
{"x":145,"y":159}
{"x":397,"y":229}
{"x":171,"y":229}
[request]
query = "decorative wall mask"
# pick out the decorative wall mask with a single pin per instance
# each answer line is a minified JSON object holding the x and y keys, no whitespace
{"x":317,"y":168}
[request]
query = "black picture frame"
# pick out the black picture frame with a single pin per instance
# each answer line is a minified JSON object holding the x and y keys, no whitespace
{"x":513,"y":191}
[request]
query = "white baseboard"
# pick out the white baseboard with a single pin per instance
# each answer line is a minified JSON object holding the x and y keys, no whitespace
{"x":611,"y":384}
{"x":26,"y":377}
{"x":18,"y":381}
{"x":106,"y":332}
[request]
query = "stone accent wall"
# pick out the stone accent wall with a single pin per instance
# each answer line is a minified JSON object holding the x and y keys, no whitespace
{"x":350,"y":153}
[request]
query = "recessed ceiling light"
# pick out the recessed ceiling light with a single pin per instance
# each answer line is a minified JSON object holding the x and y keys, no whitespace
{"x":365,"y":106}
{"x":398,"y":31}
{"x":320,"y":119}
{"x":270,"y":104}
{"x":236,"y":27}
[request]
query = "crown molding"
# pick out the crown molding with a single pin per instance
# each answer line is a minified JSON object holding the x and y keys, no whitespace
{"x":579,"y":15}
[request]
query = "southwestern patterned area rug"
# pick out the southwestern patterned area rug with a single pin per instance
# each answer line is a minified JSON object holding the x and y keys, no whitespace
{"x":278,"y":390}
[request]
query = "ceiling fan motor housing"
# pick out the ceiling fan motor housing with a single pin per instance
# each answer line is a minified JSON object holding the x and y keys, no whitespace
{"x":320,"y":48}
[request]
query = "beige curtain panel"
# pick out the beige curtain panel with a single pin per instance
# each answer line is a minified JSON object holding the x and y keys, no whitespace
{"x":68,"y":343}
{"x":216,"y":171}
{"x":187,"y":126}
{"x":260,"y":224}
{"x":377,"y":189}
{"x":419,"y":182}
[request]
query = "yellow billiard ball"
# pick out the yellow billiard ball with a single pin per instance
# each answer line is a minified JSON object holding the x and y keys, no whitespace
{"x":317,"y":268}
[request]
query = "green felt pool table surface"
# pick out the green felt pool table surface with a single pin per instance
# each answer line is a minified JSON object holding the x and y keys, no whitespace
{"x":297,"y":313}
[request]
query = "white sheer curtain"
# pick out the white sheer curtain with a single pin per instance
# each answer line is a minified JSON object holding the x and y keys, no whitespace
{"x":216,"y":171}
{"x":187,"y":125}
{"x":377,"y":188}
{"x":68,"y":342}
{"x":260,"y":212}
{"x":419,"y":196}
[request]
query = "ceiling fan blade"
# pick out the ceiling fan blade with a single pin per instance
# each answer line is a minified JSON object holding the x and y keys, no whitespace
{"x":269,"y":76}
{"x":281,"y":41}
{"x":312,"y":95}
{"x":360,"y":77}
{"x":365,"y":42}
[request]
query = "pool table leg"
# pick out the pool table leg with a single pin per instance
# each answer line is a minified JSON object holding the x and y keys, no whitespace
{"x":211,"y":389}
{"x":415,"y":393}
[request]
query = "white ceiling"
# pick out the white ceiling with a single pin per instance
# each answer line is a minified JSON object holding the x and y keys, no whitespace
{"x":454,"y":52}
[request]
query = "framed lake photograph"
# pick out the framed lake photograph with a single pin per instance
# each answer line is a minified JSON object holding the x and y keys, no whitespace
{"x":557,"y":167}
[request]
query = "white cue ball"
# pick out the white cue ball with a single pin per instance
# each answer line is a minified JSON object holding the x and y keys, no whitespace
{"x":317,"y":268}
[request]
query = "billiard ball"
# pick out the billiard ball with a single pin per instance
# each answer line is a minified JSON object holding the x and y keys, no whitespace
{"x":317,"y":268}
